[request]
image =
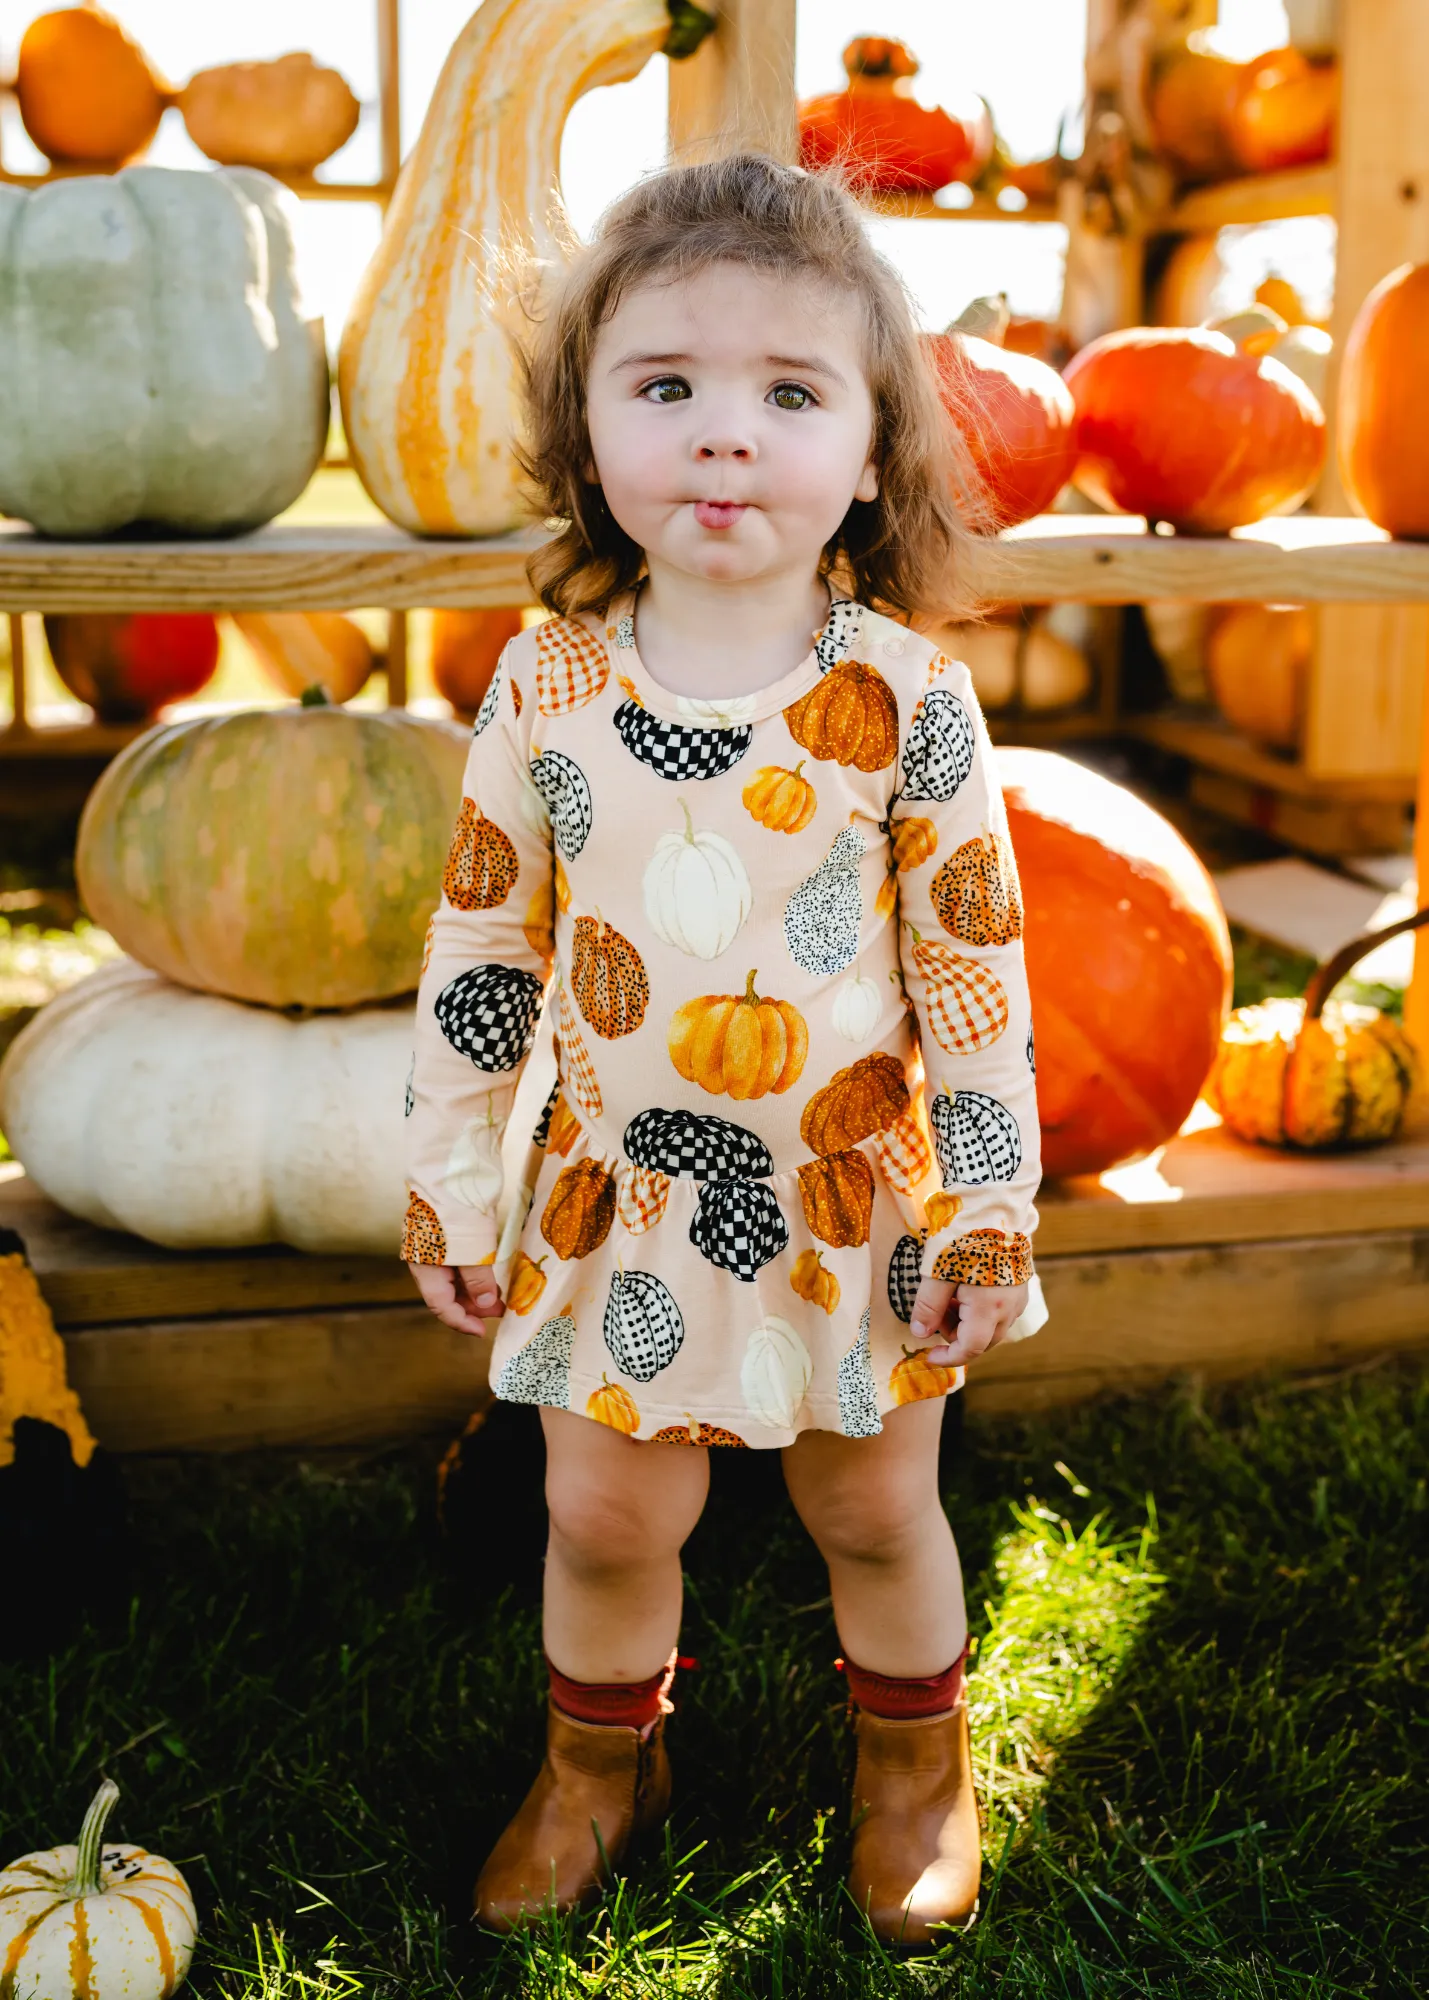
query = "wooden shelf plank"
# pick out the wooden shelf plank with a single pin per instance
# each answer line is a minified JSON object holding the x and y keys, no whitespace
{"x":982,"y":208}
{"x":1219,"y":748}
{"x":1096,"y":559}
{"x":1256,"y":198}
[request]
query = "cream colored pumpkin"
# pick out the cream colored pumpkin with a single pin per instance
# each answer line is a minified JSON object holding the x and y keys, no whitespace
{"x":697,"y":893}
{"x":857,"y":1008}
{"x":110,"y":1922}
{"x":775,"y":1374}
{"x":202,"y":1124}
{"x":299,"y":650}
{"x":474,"y":1174}
{"x":427,"y":371}
{"x":1010,"y":664}
{"x":159,"y":364}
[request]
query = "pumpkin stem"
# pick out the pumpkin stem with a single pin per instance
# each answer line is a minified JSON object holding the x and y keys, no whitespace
{"x":688,"y":27}
{"x":798,"y":767}
{"x":750,"y":997}
{"x":1328,"y":976}
{"x":85,"y":1880}
{"x":689,"y":823}
{"x":315,"y":696}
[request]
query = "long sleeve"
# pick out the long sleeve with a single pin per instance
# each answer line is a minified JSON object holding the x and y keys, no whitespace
{"x":485,"y":969}
{"x":960,"y":943}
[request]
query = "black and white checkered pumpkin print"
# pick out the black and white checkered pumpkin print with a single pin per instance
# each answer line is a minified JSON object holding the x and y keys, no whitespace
{"x":675,"y":750}
{"x":739,"y":1226}
{"x":490,"y":701}
{"x":938,"y":753}
{"x":858,"y":1392}
{"x":978,"y":1139}
{"x":562,"y":784}
{"x":643,"y":1327}
{"x":822,"y":917}
{"x":409,"y":1103}
{"x":905,"y":1276}
{"x":540,"y":1372}
{"x":841,"y":628}
{"x":695,"y":1145}
{"x":490,"y":1014}
{"x":543,"y":1124}
{"x":1031,"y":1051}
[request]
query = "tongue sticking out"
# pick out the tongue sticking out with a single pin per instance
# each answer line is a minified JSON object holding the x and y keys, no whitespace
{"x":717,"y":513}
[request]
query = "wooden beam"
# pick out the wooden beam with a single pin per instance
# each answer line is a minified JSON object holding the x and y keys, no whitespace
{"x":389,"y":94}
{"x":1256,"y":198}
{"x":736,"y":93}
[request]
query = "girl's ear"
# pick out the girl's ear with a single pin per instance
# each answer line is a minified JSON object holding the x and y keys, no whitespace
{"x":867,"y":487}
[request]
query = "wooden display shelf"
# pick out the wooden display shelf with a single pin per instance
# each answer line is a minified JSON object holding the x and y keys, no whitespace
{"x":1255,"y":198}
{"x":1210,"y":1257}
{"x":1093,"y":559}
{"x":982,"y":208}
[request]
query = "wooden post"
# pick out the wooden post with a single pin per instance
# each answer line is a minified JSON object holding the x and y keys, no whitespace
{"x":396,"y":659}
{"x":1366,"y":691}
{"x":736,"y":92}
{"x":20,"y":720}
{"x":389,"y":95}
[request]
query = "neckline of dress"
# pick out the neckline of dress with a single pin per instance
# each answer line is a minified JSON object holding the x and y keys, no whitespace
{"x":710,"y":712}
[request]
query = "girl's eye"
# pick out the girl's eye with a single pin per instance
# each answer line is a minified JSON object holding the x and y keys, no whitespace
{"x":669,"y":389}
{"x":791,"y":396}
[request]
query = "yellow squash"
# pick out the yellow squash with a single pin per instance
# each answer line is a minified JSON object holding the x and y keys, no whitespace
{"x":427,"y":373}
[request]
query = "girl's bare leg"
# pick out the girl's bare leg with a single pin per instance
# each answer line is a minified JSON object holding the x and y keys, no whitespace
{"x":620,"y":1514}
{"x":872,"y":1506}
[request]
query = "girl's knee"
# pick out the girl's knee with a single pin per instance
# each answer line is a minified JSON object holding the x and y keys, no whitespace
{"x":879,"y":1523}
{"x":605,"y":1521}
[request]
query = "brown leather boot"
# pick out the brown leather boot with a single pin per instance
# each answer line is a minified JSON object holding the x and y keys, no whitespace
{"x":917,"y":1853}
{"x":549,"y":1858}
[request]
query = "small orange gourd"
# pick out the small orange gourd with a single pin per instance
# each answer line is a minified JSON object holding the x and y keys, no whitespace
{"x":481,"y":864}
{"x":976,"y":892}
{"x":811,"y":1280}
{"x":739,"y":1044}
{"x":855,"y":1103}
{"x":527,"y":1283}
{"x":915,"y":1378}
{"x":985,"y":1257}
{"x":613,"y":1404}
{"x":580,"y":1209}
{"x":784,"y":801}
{"x":466,"y":651}
{"x":608,"y":978}
{"x":914,"y":842}
{"x":88,"y":94}
{"x":423,"y":1238}
{"x":940,"y":1208}
{"x":564,"y":1130}
{"x":298,"y":650}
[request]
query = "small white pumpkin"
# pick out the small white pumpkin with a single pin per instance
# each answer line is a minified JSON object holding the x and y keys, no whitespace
{"x":776,"y":1373}
{"x":857,"y":1008}
{"x":474,"y":1175}
{"x":732,"y":712}
{"x":114,"y":1923}
{"x":697,"y":894}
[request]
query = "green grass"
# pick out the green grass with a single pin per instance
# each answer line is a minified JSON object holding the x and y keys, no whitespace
{"x":1199,"y":1704}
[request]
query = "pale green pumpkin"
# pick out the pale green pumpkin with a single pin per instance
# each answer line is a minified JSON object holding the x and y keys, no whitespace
{"x":289,"y":856}
{"x":158,"y":363}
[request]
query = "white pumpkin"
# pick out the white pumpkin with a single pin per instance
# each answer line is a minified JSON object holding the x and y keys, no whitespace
{"x":732,"y":712}
{"x":697,"y":894}
{"x":1028,"y":665}
{"x":857,"y":1008}
{"x":203,"y":1124}
{"x":776,"y":1373}
{"x":474,"y":1173}
{"x":159,"y":365}
{"x":114,"y":1923}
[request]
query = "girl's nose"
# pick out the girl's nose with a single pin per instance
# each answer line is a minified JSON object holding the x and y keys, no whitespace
{"x":725,"y":446}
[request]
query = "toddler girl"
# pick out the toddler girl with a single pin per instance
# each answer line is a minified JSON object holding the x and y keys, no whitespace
{"x":738,"y":827}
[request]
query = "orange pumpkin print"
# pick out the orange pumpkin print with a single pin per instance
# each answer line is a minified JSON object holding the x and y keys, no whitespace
{"x":698,"y":1433}
{"x":563,"y":887}
{"x":427,"y":943}
{"x":564,"y":1129}
{"x":782,"y":800}
{"x":613,"y":1404}
{"x":573,"y":1058}
{"x":854,"y":1104}
{"x":985,"y":1257}
{"x":423,"y":1238}
{"x":940,"y":1208}
{"x":915,"y":1378}
{"x":572,"y":666}
{"x":481,"y":862}
{"x":914,"y":842}
{"x":738,"y":1045}
{"x":608,"y":978}
{"x":851,"y":717}
{"x":886,"y":901}
{"x":527,"y":1283}
{"x":579,"y":1210}
{"x":837,"y":1193}
{"x":810,"y":1280}
{"x":976,"y":892}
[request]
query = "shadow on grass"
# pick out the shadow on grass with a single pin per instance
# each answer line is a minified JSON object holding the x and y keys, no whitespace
{"x":1200,"y":1680}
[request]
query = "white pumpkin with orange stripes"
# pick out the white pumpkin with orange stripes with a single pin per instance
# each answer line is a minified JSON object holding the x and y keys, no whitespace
{"x":427,"y":371}
{"x":111,"y":1922}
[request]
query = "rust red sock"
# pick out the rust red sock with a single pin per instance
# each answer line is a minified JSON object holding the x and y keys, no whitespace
{"x":905,"y":1700}
{"x":615,"y":1704}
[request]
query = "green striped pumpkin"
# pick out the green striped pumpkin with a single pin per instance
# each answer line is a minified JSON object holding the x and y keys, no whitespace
{"x":290,"y":857}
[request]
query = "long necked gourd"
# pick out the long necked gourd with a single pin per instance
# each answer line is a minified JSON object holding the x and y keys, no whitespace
{"x":427,"y":372}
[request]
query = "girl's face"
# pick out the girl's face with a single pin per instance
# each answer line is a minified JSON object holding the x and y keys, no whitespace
{"x":730,"y":422}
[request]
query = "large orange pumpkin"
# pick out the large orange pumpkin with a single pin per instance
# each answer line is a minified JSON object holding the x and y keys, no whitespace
{"x":1258,"y":665}
{"x":1181,"y":425}
{"x":739,"y":1043}
{"x":88,"y":94}
{"x":876,"y":129}
{"x":1016,"y":418}
{"x":127,"y":668}
{"x":1384,"y":404}
{"x":466,"y":648}
{"x":1128,"y":959}
{"x":1284,"y":114}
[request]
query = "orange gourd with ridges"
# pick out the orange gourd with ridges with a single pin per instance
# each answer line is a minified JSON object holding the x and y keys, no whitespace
{"x":466,"y":651}
{"x":613,"y":1404}
{"x":1016,"y":418}
{"x":810,"y":1280}
{"x":1384,"y":404}
{"x":876,"y":130}
{"x":851,"y":717}
{"x":481,"y":864}
{"x":88,"y":93}
{"x":915,"y":1378}
{"x":738,"y":1043}
{"x":782,"y":800}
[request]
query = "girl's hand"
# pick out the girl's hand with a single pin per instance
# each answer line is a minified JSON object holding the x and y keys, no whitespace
{"x":463,"y":1296}
{"x":966,"y":1319}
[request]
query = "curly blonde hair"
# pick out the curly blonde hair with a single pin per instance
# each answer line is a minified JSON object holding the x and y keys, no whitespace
{"x":903,"y":552}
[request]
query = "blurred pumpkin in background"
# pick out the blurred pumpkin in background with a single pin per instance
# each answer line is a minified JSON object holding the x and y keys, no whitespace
{"x":1383,"y":407}
{"x":128,"y":667}
{"x":466,"y":648}
{"x":876,"y":130}
{"x":286,"y":116}
{"x":88,"y":94}
{"x":1014,"y":414}
{"x":1258,"y":666}
{"x":1211,"y":116}
{"x":298,"y":650}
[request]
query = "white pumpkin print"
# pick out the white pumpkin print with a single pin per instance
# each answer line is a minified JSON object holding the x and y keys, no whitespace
{"x":697,"y":893}
{"x":857,"y":1007}
{"x":776,"y":1373}
{"x":822,"y":917}
{"x":730,"y":713}
{"x":473,"y":1175}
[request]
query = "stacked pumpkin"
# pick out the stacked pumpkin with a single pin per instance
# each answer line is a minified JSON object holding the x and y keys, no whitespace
{"x":239,"y":1079}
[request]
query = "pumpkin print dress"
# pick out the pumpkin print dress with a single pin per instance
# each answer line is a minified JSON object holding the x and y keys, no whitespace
{"x":777,"y":939}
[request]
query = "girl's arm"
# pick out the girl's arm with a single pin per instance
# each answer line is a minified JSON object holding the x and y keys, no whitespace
{"x":960,"y":942}
{"x":487,"y":962}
